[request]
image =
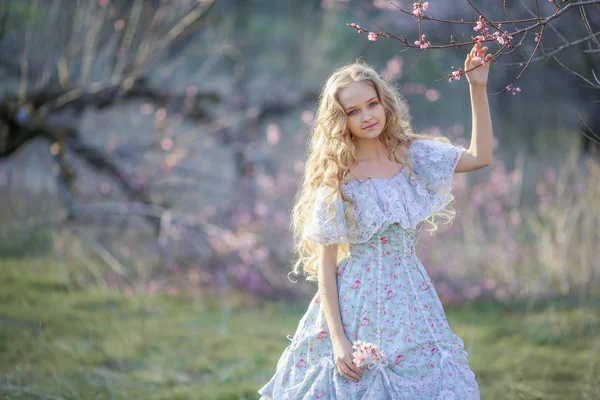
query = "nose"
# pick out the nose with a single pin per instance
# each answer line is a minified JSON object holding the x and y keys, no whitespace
{"x":367,"y":116}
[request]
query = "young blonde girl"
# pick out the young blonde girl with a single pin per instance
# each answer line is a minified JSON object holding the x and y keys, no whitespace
{"x":376,"y":328}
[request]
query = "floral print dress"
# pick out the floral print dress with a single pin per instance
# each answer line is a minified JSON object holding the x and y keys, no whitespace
{"x":386,"y":296}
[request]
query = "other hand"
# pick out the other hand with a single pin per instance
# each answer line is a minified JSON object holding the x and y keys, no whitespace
{"x":342,"y":351}
{"x":479,"y":76}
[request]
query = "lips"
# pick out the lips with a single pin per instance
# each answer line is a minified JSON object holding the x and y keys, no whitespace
{"x":370,"y":126}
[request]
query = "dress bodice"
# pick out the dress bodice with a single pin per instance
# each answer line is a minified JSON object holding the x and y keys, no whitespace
{"x":397,"y":242}
{"x":379,"y":202}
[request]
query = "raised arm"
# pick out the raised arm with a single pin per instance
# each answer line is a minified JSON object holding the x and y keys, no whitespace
{"x":479,"y":153}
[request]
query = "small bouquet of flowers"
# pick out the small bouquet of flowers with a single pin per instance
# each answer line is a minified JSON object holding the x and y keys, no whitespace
{"x":367,"y":354}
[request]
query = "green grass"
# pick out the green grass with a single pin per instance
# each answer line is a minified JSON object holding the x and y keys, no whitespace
{"x":57,"y":343}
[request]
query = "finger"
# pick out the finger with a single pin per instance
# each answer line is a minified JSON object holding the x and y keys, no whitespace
{"x":357,"y":369}
{"x":349,"y":377}
{"x":342,"y":372}
{"x":349,"y":373}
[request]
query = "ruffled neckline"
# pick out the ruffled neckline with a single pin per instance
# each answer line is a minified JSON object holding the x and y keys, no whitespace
{"x":355,"y":181}
{"x":396,"y":199}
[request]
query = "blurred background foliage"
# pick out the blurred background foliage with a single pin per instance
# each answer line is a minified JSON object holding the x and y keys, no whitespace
{"x":150,"y":152}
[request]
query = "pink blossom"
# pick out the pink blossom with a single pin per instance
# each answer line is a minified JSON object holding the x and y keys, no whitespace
{"x":422,"y":43}
{"x":166,"y":144}
{"x":481,"y":24}
{"x":119,"y":25}
{"x":501,"y":38}
{"x":432,"y":95}
{"x":273,"y":134}
{"x":367,"y":354}
{"x":498,"y":38}
{"x":359,"y":30}
{"x":419,"y":8}
{"x":513,"y":90}
{"x":372,"y":36}
{"x":456,"y":75}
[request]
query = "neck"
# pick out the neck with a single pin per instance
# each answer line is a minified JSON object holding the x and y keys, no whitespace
{"x":369,"y":150}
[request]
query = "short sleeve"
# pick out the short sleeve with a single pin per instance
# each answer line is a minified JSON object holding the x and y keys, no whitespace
{"x":318,"y":228}
{"x":436,"y":161}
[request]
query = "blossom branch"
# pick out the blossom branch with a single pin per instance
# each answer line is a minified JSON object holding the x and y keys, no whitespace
{"x":510,"y":85}
{"x":461,"y":22}
{"x":484,"y":24}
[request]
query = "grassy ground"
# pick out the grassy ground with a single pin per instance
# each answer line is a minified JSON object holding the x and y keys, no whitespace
{"x":93,"y":344}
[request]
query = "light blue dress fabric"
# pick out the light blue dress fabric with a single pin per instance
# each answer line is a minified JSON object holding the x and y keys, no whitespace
{"x":386,"y":296}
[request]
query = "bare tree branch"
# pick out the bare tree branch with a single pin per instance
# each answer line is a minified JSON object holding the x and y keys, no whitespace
{"x":553,"y":52}
{"x":586,"y":23}
{"x":576,"y":74}
{"x":595,"y":137}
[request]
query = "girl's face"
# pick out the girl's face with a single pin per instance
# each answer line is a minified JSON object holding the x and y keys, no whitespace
{"x":364,"y":112}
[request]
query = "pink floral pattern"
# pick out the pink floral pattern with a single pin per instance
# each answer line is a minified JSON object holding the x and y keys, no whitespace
{"x":386,"y":298}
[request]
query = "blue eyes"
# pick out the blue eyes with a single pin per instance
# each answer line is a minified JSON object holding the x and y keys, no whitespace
{"x":354,"y":111}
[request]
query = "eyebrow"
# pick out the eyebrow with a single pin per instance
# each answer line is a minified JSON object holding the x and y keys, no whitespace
{"x":350,"y":108}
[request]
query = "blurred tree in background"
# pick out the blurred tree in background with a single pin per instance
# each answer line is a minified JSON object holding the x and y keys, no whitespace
{"x":156,"y":145}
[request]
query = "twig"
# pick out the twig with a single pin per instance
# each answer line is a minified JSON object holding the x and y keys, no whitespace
{"x":461,"y":22}
{"x":586,"y":23}
{"x":524,"y":68}
{"x":576,"y":73}
{"x":596,"y":138}
{"x":552,"y":53}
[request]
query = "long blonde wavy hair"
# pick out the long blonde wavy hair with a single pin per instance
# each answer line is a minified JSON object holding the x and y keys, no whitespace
{"x":331,"y":155}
